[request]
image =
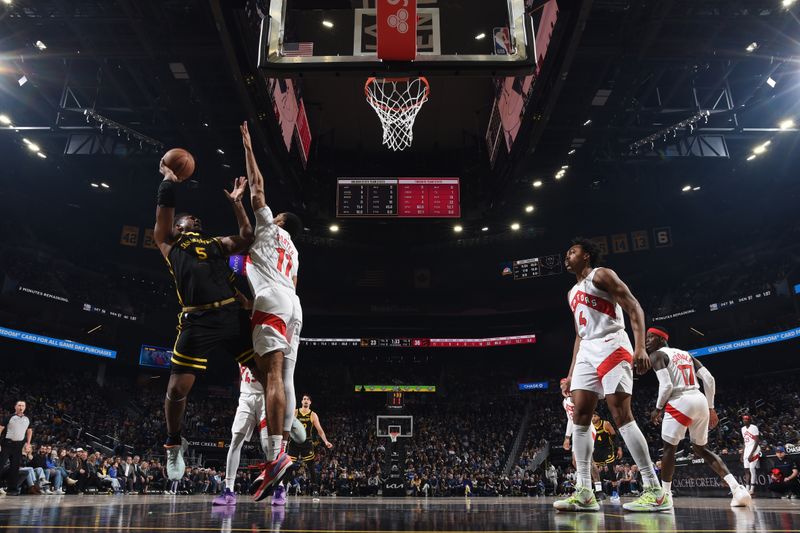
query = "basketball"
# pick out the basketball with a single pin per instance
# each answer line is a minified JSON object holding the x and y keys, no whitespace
{"x":181,"y":162}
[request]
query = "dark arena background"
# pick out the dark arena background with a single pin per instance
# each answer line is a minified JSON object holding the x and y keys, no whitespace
{"x":435,"y":322}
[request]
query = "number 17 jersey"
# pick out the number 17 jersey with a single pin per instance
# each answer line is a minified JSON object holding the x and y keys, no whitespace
{"x":681,"y":371}
{"x":273,"y":256}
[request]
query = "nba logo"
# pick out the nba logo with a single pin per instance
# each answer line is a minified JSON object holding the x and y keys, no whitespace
{"x":502,"y":41}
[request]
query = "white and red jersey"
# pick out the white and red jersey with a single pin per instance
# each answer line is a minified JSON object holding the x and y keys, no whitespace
{"x":749,"y":435}
{"x":249,"y":384}
{"x":273,"y":257}
{"x":596,"y":313}
{"x":680,"y":366}
{"x":569,"y":408}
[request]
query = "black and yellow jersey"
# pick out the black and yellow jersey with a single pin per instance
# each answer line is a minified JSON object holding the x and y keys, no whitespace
{"x":200,"y":268}
{"x":305,"y":419}
{"x":603,"y":444}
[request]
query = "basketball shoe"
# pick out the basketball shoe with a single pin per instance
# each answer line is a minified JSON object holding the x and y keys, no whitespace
{"x":272,"y":474}
{"x":176,"y":466}
{"x":653,"y":499}
{"x":582,"y":499}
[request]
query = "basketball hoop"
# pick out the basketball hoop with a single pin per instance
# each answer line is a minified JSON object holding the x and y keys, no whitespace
{"x":397,"y":102}
{"x":393,"y":435}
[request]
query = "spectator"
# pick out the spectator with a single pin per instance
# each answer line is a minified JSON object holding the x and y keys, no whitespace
{"x":783,"y":478}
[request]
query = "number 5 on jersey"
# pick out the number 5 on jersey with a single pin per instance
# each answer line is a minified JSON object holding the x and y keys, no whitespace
{"x":281,"y":256}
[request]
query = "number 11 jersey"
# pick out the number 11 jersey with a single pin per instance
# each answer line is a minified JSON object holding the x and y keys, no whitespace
{"x":273,"y":256}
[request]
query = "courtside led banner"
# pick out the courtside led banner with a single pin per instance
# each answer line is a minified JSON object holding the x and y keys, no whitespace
{"x":62,"y":344}
{"x":752,"y":342}
{"x":395,"y":388}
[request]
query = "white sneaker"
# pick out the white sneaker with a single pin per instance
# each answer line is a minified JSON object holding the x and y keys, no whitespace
{"x":741,"y":497}
{"x":58,"y":492}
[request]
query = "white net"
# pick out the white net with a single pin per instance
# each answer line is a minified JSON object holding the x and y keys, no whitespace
{"x":397,"y":102}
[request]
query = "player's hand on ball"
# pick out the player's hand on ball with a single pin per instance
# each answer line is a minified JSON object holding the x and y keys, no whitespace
{"x":641,"y":361}
{"x":713,"y":419}
{"x":167,"y":172}
{"x":239,"y":186}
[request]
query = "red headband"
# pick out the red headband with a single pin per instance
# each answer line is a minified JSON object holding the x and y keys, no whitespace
{"x":660,"y":333}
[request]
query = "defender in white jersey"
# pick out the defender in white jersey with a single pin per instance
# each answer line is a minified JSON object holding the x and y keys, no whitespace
{"x":602,"y":367}
{"x":685,"y":408}
{"x":277,"y":317}
{"x":751,"y":453}
{"x":250,"y":414}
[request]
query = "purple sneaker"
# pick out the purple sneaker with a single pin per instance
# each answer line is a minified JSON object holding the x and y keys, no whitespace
{"x":226,"y":498}
{"x":279,"y":496}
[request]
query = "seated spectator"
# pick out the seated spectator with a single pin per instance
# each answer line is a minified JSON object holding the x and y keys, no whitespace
{"x":783,"y":477}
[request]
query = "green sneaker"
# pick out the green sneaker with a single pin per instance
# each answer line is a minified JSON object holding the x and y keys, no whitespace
{"x":581,"y":500}
{"x":653,"y":499}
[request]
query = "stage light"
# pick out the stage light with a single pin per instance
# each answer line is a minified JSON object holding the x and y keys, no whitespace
{"x":565,"y":167}
{"x":33,"y":147}
{"x":751,"y":157}
{"x":752,"y":47}
{"x":515,"y":226}
{"x":537,"y":183}
{"x":220,"y":151}
{"x":587,"y":122}
{"x":560,"y":174}
{"x":695,"y":188}
{"x":104,"y":185}
{"x":7,"y":2}
{"x":571,"y":152}
{"x":785,"y":3}
{"x":40,"y":154}
{"x":5,"y":120}
{"x":334,"y":228}
{"x":458,"y":228}
{"x":772,"y":83}
{"x":686,"y":188}
{"x":529,"y":209}
{"x":485,"y":228}
{"x":327,"y":23}
{"x":22,"y":81}
{"x":40,"y":45}
{"x":784,"y":125}
{"x":480,"y":36}
{"x":95,"y":185}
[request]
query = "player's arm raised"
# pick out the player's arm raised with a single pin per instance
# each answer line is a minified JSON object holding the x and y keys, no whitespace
{"x":607,"y":280}
{"x":235,"y":244}
{"x":658,"y":361}
{"x":320,"y":432}
{"x":165,"y":209}
{"x":257,"y":196}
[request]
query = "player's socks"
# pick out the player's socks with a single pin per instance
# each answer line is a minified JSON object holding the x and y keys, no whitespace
{"x":637,"y":445}
{"x":667,"y":486}
{"x":174,"y":439}
{"x":582,"y":445}
{"x":274,"y":446}
{"x":731,"y":481}
{"x":229,"y":484}
{"x":284,"y":443}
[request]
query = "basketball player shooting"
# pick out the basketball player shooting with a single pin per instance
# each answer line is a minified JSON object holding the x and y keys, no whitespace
{"x":684,"y":408}
{"x":601,"y":367}
{"x":212,"y":319}
{"x":277,"y":318}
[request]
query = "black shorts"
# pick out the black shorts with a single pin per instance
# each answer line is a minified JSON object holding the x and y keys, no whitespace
{"x":206,"y":337}
{"x":303,"y":453}
{"x":605,"y":458}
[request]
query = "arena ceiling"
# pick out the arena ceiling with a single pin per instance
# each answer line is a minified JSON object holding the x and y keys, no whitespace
{"x":645,"y":93}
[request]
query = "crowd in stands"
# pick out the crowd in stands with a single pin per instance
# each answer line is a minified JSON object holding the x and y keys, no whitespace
{"x":87,"y":437}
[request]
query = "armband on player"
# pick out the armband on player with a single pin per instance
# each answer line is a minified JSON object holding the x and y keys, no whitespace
{"x":166,"y":194}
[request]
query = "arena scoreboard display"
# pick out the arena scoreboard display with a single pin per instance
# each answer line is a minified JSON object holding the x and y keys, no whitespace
{"x":398,"y":197}
{"x":537,"y":266}
{"x":407,"y":342}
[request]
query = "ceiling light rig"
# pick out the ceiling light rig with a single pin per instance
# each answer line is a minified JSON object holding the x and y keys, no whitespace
{"x":104,"y":123}
{"x":671,"y":131}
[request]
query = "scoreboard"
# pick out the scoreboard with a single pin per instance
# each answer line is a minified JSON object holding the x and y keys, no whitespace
{"x":398,"y":197}
{"x":537,"y":266}
{"x":410,"y":342}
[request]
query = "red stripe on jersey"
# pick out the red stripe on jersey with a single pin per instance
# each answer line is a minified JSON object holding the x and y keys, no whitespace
{"x":617,"y":356}
{"x":679,"y":417}
{"x":593,"y":302}
{"x":268,"y":319}
{"x":262,"y":424}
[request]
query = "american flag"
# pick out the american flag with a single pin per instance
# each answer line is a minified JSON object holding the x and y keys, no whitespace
{"x":298,"y":49}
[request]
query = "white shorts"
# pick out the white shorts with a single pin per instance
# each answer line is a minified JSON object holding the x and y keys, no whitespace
{"x":277,"y":321}
{"x":688,"y":411}
{"x":756,"y":463}
{"x":250,"y":414}
{"x":604,"y":366}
